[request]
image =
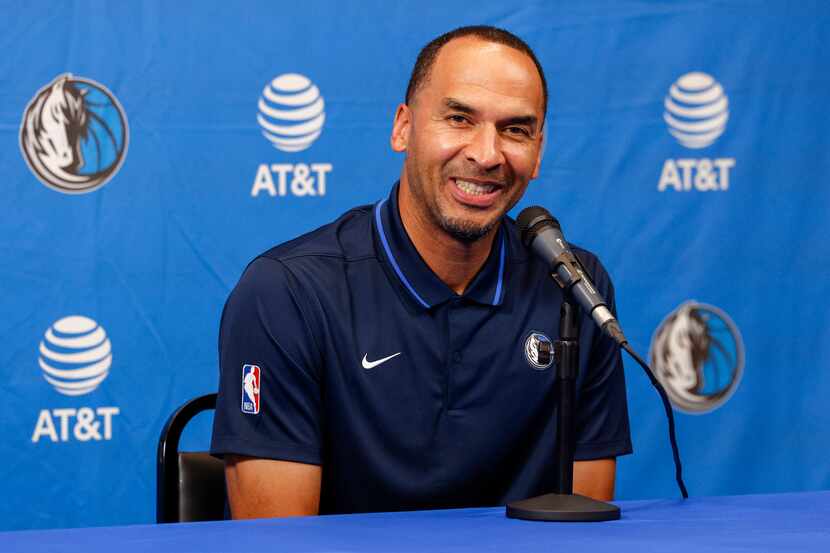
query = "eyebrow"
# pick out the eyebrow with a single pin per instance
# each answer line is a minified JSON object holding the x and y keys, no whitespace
{"x":456,"y":105}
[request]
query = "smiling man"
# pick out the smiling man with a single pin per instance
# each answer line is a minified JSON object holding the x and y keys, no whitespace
{"x":398,"y":347}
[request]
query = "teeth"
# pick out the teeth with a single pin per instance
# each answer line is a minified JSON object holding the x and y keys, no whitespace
{"x":473,"y":188}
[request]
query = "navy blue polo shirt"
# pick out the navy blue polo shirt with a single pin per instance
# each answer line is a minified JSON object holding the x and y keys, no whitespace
{"x":342,"y":348}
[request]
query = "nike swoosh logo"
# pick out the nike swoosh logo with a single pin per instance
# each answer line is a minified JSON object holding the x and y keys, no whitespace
{"x":372,"y":364}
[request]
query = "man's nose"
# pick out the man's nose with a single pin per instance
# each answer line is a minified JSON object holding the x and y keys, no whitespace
{"x":484,"y":148}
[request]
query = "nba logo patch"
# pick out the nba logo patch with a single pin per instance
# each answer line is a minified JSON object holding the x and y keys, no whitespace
{"x":250,"y":389}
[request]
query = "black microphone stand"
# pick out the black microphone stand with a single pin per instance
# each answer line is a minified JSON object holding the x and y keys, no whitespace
{"x":562,"y":505}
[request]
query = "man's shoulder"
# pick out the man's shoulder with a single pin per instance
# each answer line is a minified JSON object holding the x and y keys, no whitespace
{"x":588,"y":258}
{"x":348,"y":238}
{"x":520,"y":256}
{"x":313,"y":261}
{"x":520,"y":253}
{"x":595,"y":269}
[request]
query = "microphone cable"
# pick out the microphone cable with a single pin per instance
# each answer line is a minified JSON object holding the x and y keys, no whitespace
{"x":678,"y":468}
{"x":613,"y":329}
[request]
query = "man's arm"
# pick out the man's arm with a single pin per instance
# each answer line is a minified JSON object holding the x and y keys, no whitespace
{"x":595,"y":478}
{"x":264,"y":326}
{"x":263,"y":488}
{"x":602,"y":428}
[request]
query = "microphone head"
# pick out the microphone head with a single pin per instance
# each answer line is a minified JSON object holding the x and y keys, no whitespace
{"x":532,"y":219}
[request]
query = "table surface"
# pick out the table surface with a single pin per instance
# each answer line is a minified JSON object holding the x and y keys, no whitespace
{"x":780,"y":522}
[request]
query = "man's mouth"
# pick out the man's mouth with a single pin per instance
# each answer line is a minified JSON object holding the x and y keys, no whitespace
{"x":479,"y":194}
{"x":474,"y":189}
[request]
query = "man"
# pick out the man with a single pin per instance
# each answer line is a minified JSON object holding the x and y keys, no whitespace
{"x":398,"y":344}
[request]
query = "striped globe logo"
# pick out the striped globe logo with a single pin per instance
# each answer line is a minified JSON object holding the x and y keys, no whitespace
{"x":291,"y":112}
{"x":75,"y":355}
{"x":697,"y":110}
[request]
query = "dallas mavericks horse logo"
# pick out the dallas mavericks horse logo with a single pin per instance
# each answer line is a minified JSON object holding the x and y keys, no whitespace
{"x":697,"y":354}
{"x":74,"y":135}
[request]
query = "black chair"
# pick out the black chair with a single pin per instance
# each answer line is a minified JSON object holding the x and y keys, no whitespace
{"x":189,"y":486}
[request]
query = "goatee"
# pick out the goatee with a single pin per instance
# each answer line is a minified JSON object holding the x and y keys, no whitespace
{"x":464,"y":231}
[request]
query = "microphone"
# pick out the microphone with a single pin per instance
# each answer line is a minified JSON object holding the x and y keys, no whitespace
{"x":542,"y":233}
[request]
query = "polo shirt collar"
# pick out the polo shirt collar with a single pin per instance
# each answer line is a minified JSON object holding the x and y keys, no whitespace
{"x":425,"y":288}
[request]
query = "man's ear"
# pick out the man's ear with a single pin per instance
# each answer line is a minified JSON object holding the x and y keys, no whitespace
{"x":400,"y":128}
{"x":538,"y":164}
{"x":540,"y":154}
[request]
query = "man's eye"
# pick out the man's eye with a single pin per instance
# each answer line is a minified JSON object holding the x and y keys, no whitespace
{"x":455,"y":118}
{"x":518,"y":131}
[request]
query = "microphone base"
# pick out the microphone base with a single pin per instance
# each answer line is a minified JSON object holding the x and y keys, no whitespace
{"x":562,"y":508}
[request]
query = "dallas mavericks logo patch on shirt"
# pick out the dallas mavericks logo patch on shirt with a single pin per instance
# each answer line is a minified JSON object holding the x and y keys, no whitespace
{"x":250,"y":389}
{"x":539,"y":351}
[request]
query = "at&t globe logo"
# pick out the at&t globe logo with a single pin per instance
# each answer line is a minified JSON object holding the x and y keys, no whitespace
{"x":697,"y":353}
{"x":291,"y":114}
{"x":75,"y":355}
{"x":74,"y":135}
{"x":696,"y":110}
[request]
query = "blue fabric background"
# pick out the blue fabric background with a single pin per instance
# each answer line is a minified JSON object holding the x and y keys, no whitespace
{"x":152,"y":255}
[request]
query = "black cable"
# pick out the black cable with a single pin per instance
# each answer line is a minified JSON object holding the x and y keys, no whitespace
{"x":678,"y":469}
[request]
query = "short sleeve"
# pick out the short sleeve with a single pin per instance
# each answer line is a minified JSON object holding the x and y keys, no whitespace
{"x":264,"y":325}
{"x":602,"y":427}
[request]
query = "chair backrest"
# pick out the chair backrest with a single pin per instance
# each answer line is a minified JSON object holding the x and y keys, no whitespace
{"x":189,"y":486}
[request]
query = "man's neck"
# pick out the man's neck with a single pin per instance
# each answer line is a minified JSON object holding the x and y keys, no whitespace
{"x":454,"y":261}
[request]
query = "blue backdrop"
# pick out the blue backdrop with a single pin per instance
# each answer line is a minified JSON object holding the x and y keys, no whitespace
{"x":150,"y":150}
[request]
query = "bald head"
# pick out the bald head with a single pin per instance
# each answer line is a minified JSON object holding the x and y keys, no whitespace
{"x":427,"y":57}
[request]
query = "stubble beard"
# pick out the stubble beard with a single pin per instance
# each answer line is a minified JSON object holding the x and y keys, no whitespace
{"x":460,"y":229}
{"x":464,"y":231}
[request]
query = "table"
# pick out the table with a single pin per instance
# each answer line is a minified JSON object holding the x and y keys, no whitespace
{"x":779,"y":522}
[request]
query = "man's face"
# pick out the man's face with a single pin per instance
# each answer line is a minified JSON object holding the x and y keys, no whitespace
{"x":472,"y":136}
